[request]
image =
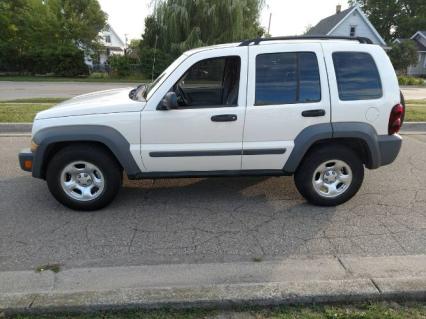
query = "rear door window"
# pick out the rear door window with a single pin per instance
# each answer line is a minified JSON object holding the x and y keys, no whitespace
{"x":357,"y":76}
{"x":287,"y":78}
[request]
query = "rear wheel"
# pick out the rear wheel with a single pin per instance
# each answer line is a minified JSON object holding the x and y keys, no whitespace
{"x":329,"y":175}
{"x":84,"y":177}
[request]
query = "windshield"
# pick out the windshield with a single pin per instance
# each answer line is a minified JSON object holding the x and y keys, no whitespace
{"x":152,"y":87}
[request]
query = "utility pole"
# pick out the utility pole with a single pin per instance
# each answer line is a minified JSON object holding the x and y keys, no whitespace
{"x":156,"y":40}
{"x":269,"y":25}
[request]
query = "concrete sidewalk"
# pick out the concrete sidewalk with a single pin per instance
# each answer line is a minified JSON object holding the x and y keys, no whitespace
{"x":295,"y":281}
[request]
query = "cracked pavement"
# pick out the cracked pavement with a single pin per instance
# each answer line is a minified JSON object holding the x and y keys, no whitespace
{"x":211,"y":219}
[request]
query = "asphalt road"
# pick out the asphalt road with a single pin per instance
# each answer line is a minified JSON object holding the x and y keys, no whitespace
{"x":24,"y":90}
{"x":211,"y":220}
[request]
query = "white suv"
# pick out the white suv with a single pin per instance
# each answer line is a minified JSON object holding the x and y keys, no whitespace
{"x":317,"y":108}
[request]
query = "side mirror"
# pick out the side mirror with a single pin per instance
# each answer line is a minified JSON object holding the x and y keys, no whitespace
{"x":168,"y":102}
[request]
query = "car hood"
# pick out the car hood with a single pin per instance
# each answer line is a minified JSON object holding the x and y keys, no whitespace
{"x":110,"y":101}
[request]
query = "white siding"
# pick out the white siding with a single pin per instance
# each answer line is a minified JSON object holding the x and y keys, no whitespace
{"x":362,"y":28}
{"x":116,"y":42}
{"x":420,"y":68}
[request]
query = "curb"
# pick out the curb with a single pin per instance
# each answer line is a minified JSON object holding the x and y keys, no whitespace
{"x":13,"y":128}
{"x":19,"y":128}
{"x":290,"y":281}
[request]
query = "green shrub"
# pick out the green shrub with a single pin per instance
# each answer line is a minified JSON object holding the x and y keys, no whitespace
{"x":70,"y":63}
{"x":61,"y":62}
{"x":121,"y":65}
{"x":98,"y":75}
{"x":409,"y":80}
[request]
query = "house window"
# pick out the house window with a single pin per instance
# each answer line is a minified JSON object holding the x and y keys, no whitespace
{"x":352,"y":32}
{"x":108,"y":39}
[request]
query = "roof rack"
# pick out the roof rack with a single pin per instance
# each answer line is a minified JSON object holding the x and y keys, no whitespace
{"x":305,"y":37}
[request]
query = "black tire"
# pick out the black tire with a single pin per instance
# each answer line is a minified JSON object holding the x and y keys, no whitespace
{"x":305,"y":173}
{"x":93,"y":154}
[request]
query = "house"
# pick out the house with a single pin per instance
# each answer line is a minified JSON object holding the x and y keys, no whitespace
{"x":419,"y":39}
{"x":351,"y":22}
{"x":111,"y":43}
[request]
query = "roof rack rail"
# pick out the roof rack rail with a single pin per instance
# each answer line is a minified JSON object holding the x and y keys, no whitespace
{"x":305,"y":37}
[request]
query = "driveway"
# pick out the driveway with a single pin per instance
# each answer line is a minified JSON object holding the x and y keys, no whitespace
{"x":25,"y":90}
{"x":211,"y":220}
{"x":414,"y":93}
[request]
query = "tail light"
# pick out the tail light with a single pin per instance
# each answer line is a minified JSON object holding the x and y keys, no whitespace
{"x":395,"y":119}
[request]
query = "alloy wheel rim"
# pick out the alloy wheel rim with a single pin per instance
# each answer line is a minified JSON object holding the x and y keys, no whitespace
{"x":332,"y":178}
{"x":82,"y":181}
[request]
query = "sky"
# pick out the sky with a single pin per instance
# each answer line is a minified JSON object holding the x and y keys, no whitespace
{"x":288,"y":17}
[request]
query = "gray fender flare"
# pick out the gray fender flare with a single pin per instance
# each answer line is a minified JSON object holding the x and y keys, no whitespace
{"x":306,"y":138}
{"x":106,"y":135}
{"x":312,"y":134}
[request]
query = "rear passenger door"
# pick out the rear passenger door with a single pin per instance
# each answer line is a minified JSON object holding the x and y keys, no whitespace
{"x":287,"y":92}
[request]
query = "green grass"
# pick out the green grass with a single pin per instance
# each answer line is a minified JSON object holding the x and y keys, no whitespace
{"x":38,"y":100}
{"x":24,"y":110}
{"x":19,"y":113}
{"x":52,"y":267}
{"x":416,"y":111}
{"x":130,"y":79}
{"x":368,"y":311}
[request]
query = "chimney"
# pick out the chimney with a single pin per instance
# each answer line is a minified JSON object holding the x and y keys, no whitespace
{"x":338,"y":8}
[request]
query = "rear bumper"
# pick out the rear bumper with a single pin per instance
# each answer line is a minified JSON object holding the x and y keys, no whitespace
{"x":26,"y":158}
{"x":389,"y":147}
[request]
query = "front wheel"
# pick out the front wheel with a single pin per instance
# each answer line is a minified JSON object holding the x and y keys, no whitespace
{"x":329,"y":175}
{"x":84,"y":177}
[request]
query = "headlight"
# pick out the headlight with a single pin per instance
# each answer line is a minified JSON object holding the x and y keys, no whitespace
{"x":34,"y":146}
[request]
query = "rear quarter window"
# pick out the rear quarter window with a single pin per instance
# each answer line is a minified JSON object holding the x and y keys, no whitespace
{"x":357,"y":76}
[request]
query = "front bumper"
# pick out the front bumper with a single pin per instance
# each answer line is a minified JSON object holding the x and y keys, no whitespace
{"x":26,"y":158}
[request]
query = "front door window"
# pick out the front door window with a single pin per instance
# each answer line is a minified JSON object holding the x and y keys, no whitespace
{"x":210,"y":83}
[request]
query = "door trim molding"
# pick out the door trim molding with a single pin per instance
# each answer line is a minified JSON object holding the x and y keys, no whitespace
{"x":270,"y":151}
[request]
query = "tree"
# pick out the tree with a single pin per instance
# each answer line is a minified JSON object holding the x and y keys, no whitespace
{"x":403,"y":55}
{"x":179,"y":25}
{"x":395,"y":18}
{"x":47,"y":36}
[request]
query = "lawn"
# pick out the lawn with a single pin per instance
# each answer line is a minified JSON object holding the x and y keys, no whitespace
{"x":416,"y":111}
{"x":369,"y":311}
{"x":19,"y":111}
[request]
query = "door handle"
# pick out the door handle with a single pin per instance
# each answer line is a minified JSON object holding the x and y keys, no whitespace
{"x":313,"y":113}
{"x":224,"y":118}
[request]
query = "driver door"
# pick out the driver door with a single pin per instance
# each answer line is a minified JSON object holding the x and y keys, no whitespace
{"x":205,"y":132}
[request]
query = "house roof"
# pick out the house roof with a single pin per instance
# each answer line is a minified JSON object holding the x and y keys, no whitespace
{"x":420,"y":46}
{"x":327,"y":24}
